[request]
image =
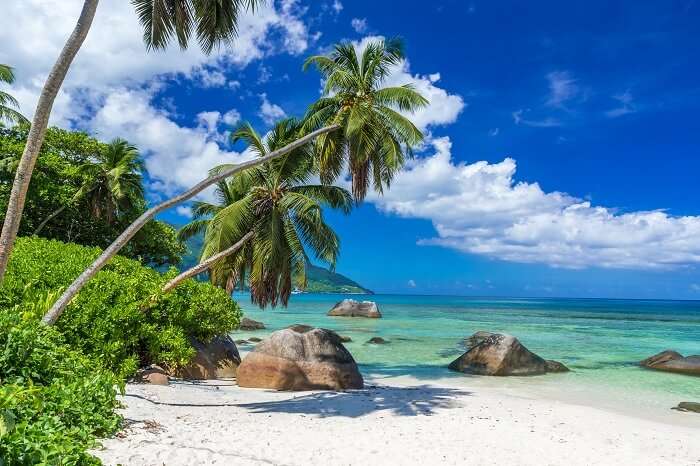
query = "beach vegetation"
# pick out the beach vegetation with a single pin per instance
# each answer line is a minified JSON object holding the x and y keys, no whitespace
{"x":9,"y":107}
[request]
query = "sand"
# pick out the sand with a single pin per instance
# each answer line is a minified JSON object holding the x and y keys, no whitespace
{"x":393,"y":421}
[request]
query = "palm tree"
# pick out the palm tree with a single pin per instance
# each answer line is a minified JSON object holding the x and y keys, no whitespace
{"x":8,"y":104}
{"x":266,"y":218}
{"x":213,"y":23}
{"x":113,"y":183}
{"x":376,"y":138}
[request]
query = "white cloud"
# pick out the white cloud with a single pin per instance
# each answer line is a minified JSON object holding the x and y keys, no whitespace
{"x":232,"y":117}
{"x":444,"y":108}
{"x":562,"y":88}
{"x":359,"y":25}
{"x":184,"y":211}
{"x":626,"y":105}
{"x":177,"y":157}
{"x":494,"y":132}
{"x":479,"y":208}
{"x":547,"y":122}
{"x":412,"y":283}
{"x":109,"y":88}
{"x":269,"y":112}
{"x":337,"y":6}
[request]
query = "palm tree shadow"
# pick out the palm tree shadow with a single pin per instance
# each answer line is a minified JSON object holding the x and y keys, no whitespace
{"x":422,"y":400}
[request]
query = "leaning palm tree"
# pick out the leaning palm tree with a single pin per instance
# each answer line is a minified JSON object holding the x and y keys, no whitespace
{"x":376,"y":138}
{"x":212,"y":22}
{"x":265,"y":220}
{"x":113,"y":183}
{"x":8,"y":104}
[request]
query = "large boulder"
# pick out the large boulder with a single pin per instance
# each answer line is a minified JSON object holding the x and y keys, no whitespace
{"x":218,"y":359}
{"x":250,"y":324}
{"x":352,"y":308}
{"x":501,"y":355}
{"x":300,"y":359}
{"x":671,"y":361}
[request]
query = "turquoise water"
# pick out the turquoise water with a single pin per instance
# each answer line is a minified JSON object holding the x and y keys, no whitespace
{"x":602,"y":341}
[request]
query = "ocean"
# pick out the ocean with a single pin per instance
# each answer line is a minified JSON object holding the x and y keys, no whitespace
{"x":600,"y":340}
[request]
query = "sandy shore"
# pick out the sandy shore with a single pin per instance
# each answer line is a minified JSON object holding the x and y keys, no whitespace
{"x":393,"y":421}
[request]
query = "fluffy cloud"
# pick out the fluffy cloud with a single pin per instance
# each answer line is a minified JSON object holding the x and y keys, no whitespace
{"x":114,"y":53}
{"x":269,"y":112}
{"x":479,"y":208}
{"x":113,"y":80}
{"x":359,"y":25}
{"x":177,"y":157}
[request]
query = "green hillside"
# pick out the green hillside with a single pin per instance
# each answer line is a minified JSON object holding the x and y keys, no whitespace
{"x":319,"y":280}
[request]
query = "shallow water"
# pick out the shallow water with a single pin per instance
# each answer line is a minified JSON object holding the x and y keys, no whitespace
{"x":601,"y":341}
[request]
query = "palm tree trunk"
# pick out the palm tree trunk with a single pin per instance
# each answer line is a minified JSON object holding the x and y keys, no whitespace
{"x":60,"y":305}
{"x":48,"y":219}
{"x":203,"y":266}
{"x":15,"y":205}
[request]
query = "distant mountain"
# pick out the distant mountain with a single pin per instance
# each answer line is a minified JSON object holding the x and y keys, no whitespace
{"x":319,"y":280}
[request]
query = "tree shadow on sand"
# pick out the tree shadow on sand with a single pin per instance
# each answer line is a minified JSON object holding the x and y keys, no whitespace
{"x":422,"y":400}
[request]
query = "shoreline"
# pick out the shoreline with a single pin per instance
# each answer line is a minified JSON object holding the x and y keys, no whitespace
{"x":394,"y":420}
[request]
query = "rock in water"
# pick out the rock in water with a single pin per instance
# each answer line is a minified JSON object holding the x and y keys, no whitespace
{"x":477,"y":338}
{"x":352,"y":308}
{"x":254,"y":339}
{"x":671,"y":361}
{"x":555,"y":366}
{"x":377,"y":341}
{"x":313,"y":359}
{"x":502,"y":355}
{"x":661,"y":358}
{"x":688,"y":406}
{"x":250,"y":324}
{"x":214,"y":360}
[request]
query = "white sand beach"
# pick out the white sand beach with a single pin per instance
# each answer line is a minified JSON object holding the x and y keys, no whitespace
{"x":392,"y":421}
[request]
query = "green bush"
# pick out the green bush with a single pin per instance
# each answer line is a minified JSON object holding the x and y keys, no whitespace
{"x":120,"y":318}
{"x":54,"y":401}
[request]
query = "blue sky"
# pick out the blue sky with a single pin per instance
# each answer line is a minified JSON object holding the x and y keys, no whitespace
{"x":562,"y":143}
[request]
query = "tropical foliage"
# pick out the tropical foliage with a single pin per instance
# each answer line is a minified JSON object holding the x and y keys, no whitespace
{"x":120,"y":318}
{"x":375,"y":137}
{"x":8,"y":105}
{"x":86,"y":192}
{"x":54,"y":401}
{"x":285,"y":213}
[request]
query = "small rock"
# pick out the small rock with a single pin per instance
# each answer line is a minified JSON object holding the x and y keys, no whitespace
{"x":555,"y":366}
{"x":671,"y":361}
{"x":250,"y":324}
{"x":255,"y":339}
{"x":242,"y":342}
{"x":688,"y":406}
{"x":377,"y":341}
{"x":154,"y":375}
{"x":345,"y":339}
{"x":352,"y":308}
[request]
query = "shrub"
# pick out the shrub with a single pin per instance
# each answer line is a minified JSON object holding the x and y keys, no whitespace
{"x":54,"y":401}
{"x":120,"y":318}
